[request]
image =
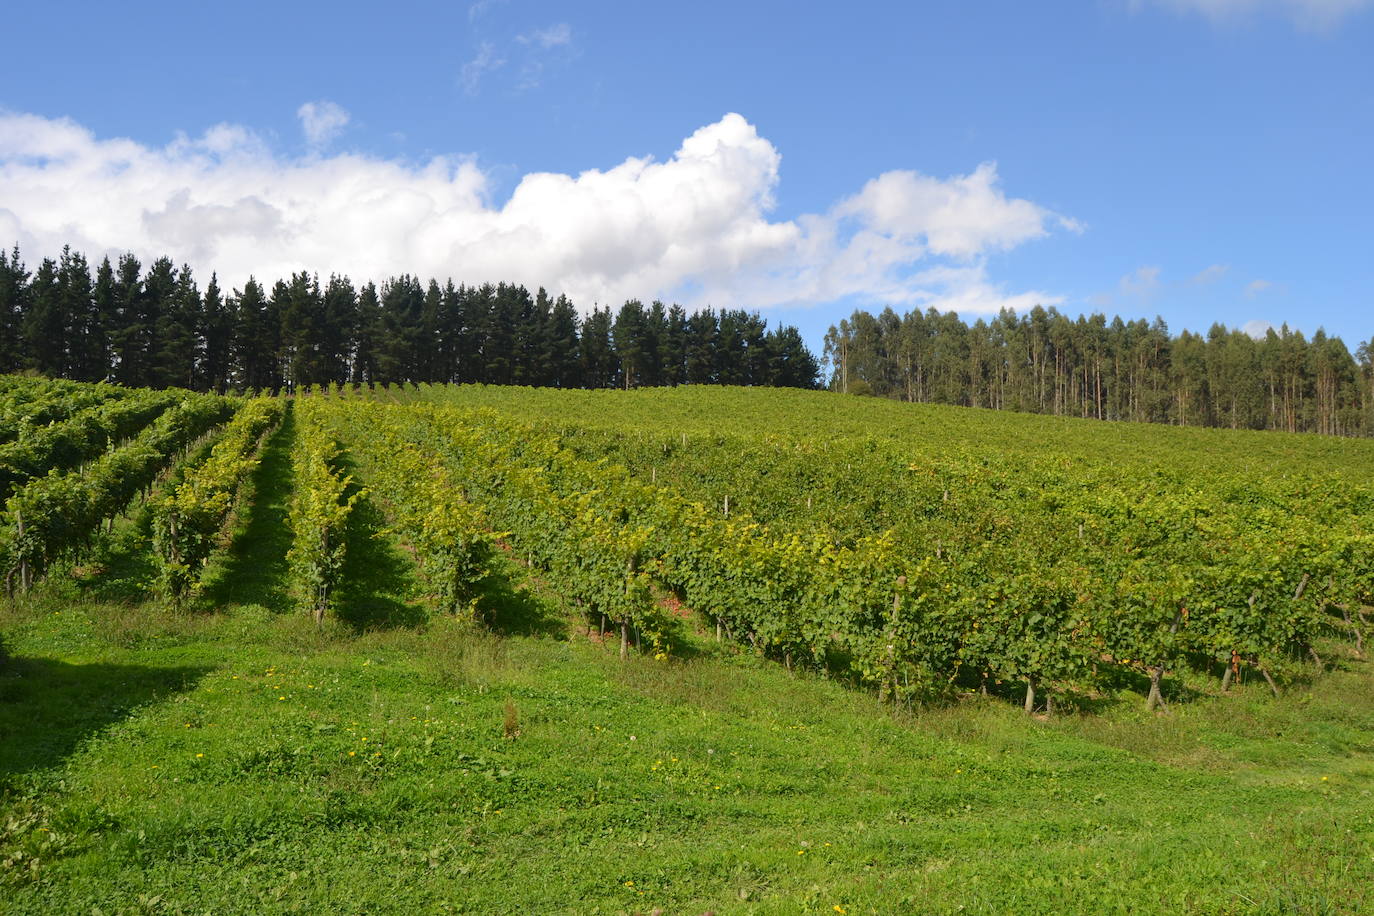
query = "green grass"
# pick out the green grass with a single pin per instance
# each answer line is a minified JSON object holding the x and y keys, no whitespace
{"x":248,"y":763}
{"x":238,"y":760}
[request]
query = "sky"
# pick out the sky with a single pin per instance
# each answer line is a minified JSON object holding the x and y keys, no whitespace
{"x":1199,"y":160}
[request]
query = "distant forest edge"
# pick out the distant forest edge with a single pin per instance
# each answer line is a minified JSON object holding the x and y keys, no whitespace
{"x":1045,"y":362}
{"x":157,"y":328}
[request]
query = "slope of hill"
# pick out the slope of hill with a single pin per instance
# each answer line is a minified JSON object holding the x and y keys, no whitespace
{"x":481,"y":746}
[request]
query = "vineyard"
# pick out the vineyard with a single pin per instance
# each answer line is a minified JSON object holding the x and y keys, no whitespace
{"x":1091,"y":588}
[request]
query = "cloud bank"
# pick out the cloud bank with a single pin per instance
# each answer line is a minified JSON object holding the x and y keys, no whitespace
{"x":694,"y":228}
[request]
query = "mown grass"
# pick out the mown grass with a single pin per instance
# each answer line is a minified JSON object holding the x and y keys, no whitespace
{"x":244,"y":761}
{"x":254,"y":764}
{"x":250,"y":763}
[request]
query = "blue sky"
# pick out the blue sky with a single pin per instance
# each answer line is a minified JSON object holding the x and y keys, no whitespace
{"x":1203,"y":160}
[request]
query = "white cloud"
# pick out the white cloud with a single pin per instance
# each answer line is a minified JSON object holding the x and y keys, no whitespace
{"x":1316,"y":15}
{"x":1256,"y":329}
{"x":694,"y":227}
{"x":1142,"y":283}
{"x":1255,"y":287}
{"x":486,"y":61}
{"x":1210,"y":274}
{"x":960,"y":217}
{"x":555,"y":36}
{"x":322,"y":121}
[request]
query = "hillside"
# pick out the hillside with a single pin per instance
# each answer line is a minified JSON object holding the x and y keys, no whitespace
{"x":555,"y":673}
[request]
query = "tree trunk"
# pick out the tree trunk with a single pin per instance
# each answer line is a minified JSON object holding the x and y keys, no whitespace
{"x":1234,"y":668}
{"x":1155,"y":699}
{"x":25,"y":572}
{"x":1358,"y":631}
{"x":624,"y":638}
{"x":1030,"y":695}
{"x":1272,"y":686}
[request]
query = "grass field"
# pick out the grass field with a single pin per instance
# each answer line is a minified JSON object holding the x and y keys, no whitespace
{"x":243,"y":761}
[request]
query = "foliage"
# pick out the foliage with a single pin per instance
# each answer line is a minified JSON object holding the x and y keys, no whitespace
{"x":320,"y":504}
{"x":425,"y":501}
{"x":56,"y":515}
{"x":188,"y":515}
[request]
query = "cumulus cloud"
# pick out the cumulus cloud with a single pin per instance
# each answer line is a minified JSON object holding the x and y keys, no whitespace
{"x":1318,"y":15}
{"x":694,"y":227}
{"x":960,"y":217}
{"x":322,"y":121}
{"x":1256,"y":329}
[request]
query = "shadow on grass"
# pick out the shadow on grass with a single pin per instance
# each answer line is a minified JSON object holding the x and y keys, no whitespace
{"x":510,"y":610}
{"x":377,"y":580}
{"x":380,"y":582}
{"x":121,"y":569}
{"x":48,"y":708}
{"x":253,"y":569}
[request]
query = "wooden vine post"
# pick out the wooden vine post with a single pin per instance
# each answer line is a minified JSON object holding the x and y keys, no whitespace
{"x":1156,"y":698}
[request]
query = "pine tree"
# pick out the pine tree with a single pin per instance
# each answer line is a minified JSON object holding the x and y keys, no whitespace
{"x":177,"y":329}
{"x":87,"y":356}
{"x":14,"y":293}
{"x":254,"y":344}
{"x":43,"y":332}
{"x":563,"y":354}
{"x":452,"y":324}
{"x":367,"y":338}
{"x":496,"y":334}
{"x":217,"y":326}
{"x":672,"y":346}
{"x":732,"y":360}
{"x":105,"y":299}
{"x":703,"y":337}
{"x":599,"y":369}
{"x":790,"y":363}
{"x":427,"y":360}
{"x":532,"y":339}
{"x":339,"y":326}
{"x":300,"y":307}
{"x":128,"y":336}
{"x":402,"y":303}
{"x":628,"y":336}
{"x":158,"y":338}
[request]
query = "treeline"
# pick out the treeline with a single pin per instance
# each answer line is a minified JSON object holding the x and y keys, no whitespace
{"x":158,"y":328}
{"x":1045,"y":362}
